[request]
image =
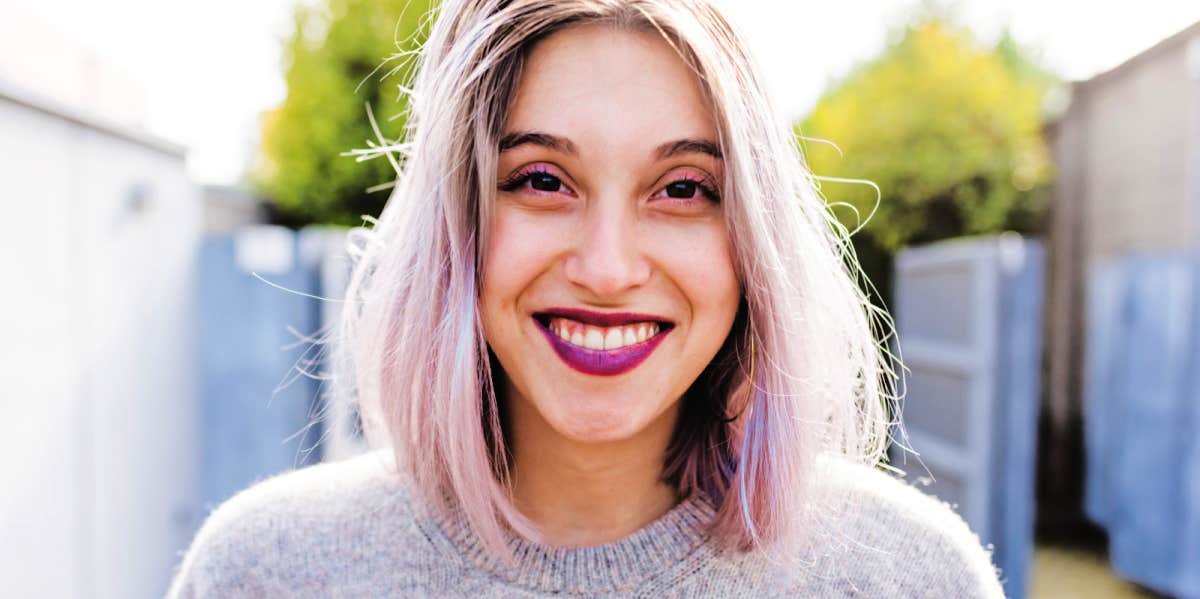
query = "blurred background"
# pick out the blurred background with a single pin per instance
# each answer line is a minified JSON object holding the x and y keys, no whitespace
{"x":178,"y":189}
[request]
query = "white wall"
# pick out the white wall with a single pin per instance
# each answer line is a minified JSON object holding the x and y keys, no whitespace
{"x":99,"y":456}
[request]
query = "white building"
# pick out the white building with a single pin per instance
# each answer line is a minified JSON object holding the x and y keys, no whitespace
{"x":99,"y":455}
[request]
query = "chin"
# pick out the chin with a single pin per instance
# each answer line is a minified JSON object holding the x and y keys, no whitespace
{"x":588,"y":418}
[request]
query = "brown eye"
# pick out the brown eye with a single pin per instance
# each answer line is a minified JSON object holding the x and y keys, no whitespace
{"x":681,"y":189}
{"x":544,"y":182}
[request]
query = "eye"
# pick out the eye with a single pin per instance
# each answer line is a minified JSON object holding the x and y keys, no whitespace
{"x":545,"y":182}
{"x":682,"y":189}
{"x":689,"y":188}
{"x":537,"y":179}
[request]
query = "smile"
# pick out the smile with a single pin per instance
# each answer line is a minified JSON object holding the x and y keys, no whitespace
{"x":602,"y":344}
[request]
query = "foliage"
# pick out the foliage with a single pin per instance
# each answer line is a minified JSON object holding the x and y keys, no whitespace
{"x":952,"y":134}
{"x":334,"y":66}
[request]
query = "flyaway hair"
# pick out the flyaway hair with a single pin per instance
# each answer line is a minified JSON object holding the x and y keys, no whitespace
{"x":419,"y":365}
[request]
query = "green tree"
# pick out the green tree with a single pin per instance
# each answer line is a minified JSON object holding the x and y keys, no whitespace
{"x":951,"y":132}
{"x":340,"y":57}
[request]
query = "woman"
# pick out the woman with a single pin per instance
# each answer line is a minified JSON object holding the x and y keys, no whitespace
{"x":611,"y":341}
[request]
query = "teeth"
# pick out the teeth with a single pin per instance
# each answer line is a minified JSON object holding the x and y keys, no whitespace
{"x":613,"y":339}
{"x":592,"y":337}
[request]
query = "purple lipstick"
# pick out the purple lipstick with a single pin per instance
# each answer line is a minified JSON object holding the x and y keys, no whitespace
{"x":599,"y":343}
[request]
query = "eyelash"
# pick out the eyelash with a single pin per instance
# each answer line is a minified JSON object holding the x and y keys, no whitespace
{"x":521,"y":177}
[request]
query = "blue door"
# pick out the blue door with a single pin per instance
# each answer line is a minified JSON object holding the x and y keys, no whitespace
{"x":259,"y":396}
{"x":968,"y":315}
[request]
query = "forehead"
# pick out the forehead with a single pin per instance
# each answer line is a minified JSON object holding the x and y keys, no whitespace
{"x":607,"y":88}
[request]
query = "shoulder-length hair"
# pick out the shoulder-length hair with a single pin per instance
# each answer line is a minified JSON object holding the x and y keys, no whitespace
{"x":801,"y":373}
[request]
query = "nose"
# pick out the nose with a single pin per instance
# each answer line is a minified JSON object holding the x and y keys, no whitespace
{"x":607,"y":258}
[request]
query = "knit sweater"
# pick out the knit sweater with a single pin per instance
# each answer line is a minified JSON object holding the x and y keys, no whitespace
{"x":354,"y":529}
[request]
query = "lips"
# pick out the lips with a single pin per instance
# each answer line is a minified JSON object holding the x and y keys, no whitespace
{"x":599,"y":343}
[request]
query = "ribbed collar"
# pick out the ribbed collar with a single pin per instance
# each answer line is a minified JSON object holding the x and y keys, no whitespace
{"x":616,"y":567}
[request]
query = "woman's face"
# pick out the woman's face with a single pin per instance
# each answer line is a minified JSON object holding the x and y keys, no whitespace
{"x":608,"y":283}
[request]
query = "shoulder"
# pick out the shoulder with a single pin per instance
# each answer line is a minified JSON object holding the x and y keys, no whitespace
{"x":882,"y":533}
{"x":297,"y":524}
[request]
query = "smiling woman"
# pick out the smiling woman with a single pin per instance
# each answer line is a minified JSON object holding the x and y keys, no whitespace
{"x":608,"y":278}
{"x":608,"y":340}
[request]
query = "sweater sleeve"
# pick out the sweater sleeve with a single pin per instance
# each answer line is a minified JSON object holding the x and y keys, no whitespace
{"x":227,"y":556}
{"x":900,"y":542}
{"x":290,"y":535}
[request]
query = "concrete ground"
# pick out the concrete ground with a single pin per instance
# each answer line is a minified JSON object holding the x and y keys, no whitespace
{"x":1078,"y":572}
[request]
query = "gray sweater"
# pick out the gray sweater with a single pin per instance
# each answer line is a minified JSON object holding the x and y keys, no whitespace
{"x":352,"y":529}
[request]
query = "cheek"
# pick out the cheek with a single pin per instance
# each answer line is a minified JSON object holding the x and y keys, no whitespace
{"x":699,"y":259}
{"x":519,"y":250}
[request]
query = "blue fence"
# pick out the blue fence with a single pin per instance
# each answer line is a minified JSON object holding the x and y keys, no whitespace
{"x":1142,"y":417}
{"x":258,"y":407}
{"x":969,"y":314}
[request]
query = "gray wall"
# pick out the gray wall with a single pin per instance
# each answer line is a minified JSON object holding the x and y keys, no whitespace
{"x":1125,"y":148}
{"x":1128,"y":158}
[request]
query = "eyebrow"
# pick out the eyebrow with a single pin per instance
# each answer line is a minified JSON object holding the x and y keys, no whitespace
{"x":565,"y":146}
{"x":545,"y":140}
{"x":688,"y":146}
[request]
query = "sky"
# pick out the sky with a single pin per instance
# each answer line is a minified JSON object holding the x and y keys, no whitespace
{"x":200,"y":73}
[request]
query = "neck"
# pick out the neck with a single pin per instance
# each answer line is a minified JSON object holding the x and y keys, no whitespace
{"x":586,"y":494}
